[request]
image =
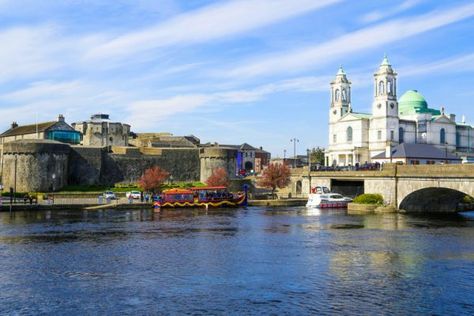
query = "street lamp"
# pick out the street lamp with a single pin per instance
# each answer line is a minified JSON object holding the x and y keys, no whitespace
{"x":294,"y":140}
{"x":54,"y":177}
{"x":445,"y":152}
{"x":309,"y":168}
{"x":284,"y":155}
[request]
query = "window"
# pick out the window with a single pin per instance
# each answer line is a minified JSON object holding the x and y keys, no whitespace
{"x":389,"y":87}
{"x":70,"y":137}
{"x":344,"y":95}
{"x":337,"y":95}
{"x":381,"y":87}
{"x":379,"y":135}
{"x":401,"y":135}
{"x":458,"y":139}
{"x":334,"y":138}
{"x":414,"y":162}
{"x":392,"y":135}
{"x":349,"y":134}
{"x":442,"y":136}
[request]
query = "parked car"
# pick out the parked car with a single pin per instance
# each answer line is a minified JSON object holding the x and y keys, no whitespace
{"x":133,"y":194}
{"x":110,"y":195}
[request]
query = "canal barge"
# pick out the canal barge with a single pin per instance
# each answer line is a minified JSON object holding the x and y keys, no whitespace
{"x":210,"y":196}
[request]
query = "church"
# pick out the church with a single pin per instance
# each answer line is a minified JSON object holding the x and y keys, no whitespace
{"x":404,"y":130}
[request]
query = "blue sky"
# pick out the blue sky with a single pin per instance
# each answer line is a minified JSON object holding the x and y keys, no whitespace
{"x":255,"y":71}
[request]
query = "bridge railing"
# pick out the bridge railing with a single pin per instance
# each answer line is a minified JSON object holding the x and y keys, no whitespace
{"x":394,"y":170}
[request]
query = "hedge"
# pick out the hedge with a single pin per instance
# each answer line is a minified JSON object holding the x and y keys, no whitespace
{"x":369,"y":198}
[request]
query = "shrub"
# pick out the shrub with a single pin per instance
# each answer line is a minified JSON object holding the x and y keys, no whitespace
{"x":369,"y":198}
{"x":468,"y":199}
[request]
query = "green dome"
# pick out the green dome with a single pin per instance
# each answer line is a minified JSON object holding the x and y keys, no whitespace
{"x":413,"y":102}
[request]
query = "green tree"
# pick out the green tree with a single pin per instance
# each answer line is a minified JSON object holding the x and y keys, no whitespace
{"x":317,"y":155}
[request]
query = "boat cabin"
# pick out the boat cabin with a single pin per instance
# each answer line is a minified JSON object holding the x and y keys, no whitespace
{"x":215,"y":193}
{"x":178,"y":195}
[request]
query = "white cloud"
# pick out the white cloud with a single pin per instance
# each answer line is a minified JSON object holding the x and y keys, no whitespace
{"x":206,"y":24}
{"x":463,"y":63}
{"x":379,"y":35}
{"x":375,"y":16}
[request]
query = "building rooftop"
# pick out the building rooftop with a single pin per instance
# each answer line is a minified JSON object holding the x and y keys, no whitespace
{"x":418,"y":151}
{"x":27,"y":129}
{"x":413,"y":102}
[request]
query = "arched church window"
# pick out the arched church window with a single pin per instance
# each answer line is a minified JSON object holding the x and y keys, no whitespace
{"x":349,"y":134}
{"x":381,"y":87}
{"x":344,"y":95}
{"x":389,"y":87}
{"x":337,"y":95}
{"x":401,"y":135}
{"x":442,"y":136}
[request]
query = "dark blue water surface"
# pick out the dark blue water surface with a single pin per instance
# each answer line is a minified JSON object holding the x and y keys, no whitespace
{"x":253,"y":261}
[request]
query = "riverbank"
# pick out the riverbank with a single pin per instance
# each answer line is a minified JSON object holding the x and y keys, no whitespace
{"x":91,"y":204}
{"x":279,"y":202}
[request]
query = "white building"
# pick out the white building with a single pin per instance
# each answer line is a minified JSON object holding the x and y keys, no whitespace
{"x":355,"y":138}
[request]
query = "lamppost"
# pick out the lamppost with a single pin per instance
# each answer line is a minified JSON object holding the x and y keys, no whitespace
{"x":53,"y":177}
{"x":294,"y":140}
{"x":445,"y":152}
{"x":309,"y":168}
{"x":284,"y":156}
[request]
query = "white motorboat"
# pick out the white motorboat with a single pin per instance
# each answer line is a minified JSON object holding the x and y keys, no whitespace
{"x":327,"y":200}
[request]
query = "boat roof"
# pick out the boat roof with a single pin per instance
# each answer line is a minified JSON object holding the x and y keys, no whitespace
{"x":178,"y":191}
{"x":209,"y":188}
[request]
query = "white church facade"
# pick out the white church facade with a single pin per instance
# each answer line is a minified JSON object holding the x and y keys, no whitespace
{"x":358,"y":138}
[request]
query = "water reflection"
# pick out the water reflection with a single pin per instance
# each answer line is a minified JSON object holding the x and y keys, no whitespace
{"x":227,"y":261}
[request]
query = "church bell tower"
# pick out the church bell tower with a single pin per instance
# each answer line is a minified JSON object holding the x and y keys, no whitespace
{"x":384,"y":123}
{"x":340,"y":96}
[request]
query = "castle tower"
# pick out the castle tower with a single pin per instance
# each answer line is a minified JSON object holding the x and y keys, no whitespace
{"x":385,"y":121}
{"x":340,"y":96}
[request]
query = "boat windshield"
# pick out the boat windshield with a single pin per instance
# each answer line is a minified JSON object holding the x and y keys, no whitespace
{"x":336,"y":196}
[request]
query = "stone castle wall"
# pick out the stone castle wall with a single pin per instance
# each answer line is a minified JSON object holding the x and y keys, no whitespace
{"x":182,"y":164}
{"x":38,"y":165}
{"x":213,"y":158}
{"x":43,"y":165}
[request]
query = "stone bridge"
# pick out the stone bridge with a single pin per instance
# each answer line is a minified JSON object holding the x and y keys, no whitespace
{"x":416,"y":188}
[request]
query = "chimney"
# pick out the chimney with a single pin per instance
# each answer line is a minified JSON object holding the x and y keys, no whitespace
{"x":60,"y":118}
{"x":14,"y":125}
{"x":452,"y":117}
{"x":463,"y":119}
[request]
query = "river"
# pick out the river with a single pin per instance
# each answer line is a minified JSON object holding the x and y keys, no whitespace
{"x":244,"y":261}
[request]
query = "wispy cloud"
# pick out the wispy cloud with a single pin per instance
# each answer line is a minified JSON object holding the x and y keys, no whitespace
{"x":360,"y":40}
{"x":209,"y":23}
{"x":378,"y":15}
{"x":455,"y":64}
{"x":164,"y":108}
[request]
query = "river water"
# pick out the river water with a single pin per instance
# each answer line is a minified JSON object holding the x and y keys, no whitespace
{"x":245,"y":261}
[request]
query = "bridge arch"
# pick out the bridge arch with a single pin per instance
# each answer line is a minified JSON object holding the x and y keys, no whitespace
{"x":433,"y":199}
